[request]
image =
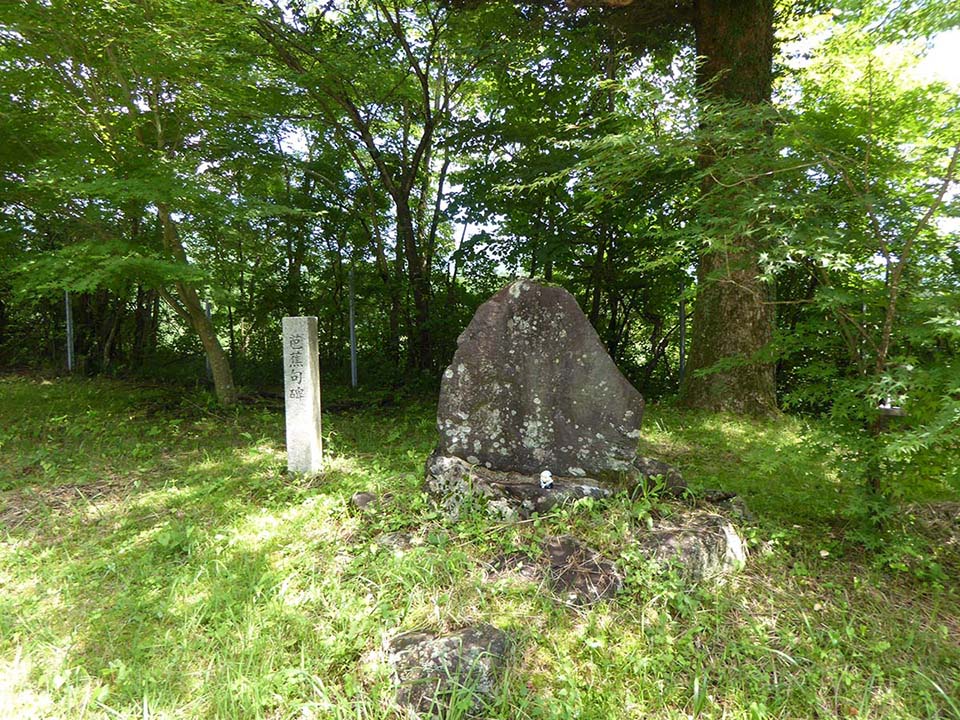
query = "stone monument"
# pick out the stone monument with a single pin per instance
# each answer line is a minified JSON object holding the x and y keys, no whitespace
{"x":531,"y":394}
{"x":301,"y":381}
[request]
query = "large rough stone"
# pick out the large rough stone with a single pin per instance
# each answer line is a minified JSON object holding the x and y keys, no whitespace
{"x":699,"y":545}
{"x":435,"y":672}
{"x":531,"y":388}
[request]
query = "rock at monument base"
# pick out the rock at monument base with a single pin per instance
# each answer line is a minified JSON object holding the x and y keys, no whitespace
{"x":531,"y":388}
{"x":434,"y":672}
{"x":515,"y":496}
{"x":698,"y":545}
{"x":506,"y":495}
{"x":728,"y":504}
{"x":578,"y":574}
{"x":514,"y":567}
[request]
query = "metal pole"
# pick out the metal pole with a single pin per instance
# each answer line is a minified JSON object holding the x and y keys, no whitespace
{"x":353,"y":335}
{"x":69,"y":309}
{"x":205,"y":356}
{"x":683,"y":330}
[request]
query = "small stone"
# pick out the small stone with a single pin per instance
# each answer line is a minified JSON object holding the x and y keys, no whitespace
{"x":365,"y":501}
{"x":395,"y":540}
{"x":578,"y":574}
{"x":431,"y":671}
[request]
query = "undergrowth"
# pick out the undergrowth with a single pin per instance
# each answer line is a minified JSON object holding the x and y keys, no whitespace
{"x":156,"y":561}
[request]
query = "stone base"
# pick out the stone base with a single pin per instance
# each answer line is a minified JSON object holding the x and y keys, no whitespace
{"x":514,"y":496}
{"x":507,"y":495}
{"x":697,"y":545}
{"x":578,"y":574}
{"x":656,"y":474}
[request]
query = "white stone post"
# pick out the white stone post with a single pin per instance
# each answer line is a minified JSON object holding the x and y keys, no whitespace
{"x":301,"y":384}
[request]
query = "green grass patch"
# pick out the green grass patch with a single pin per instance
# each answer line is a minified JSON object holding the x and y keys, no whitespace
{"x":156,"y":561}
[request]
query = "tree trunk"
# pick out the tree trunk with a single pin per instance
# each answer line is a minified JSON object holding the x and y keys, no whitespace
{"x":296,"y":253}
{"x":596,"y":277}
{"x":732,"y":319}
{"x":145,"y":320}
{"x":3,"y":322}
{"x":109,"y":332}
{"x":187,"y":304}
{"x":390,"y":277}
{"x":391,"y":281}
{"x":422,"y":351}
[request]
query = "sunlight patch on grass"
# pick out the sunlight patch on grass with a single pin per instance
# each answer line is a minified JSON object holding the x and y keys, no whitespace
{"x":19,"y":698}
{"x":264,"y":455}
{"x":340,"y":464}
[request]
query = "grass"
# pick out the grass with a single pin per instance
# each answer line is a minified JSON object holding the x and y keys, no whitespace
{"x":157,"y":562}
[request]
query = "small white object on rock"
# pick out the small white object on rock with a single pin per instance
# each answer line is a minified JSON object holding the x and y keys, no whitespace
{"x":546,"y":479}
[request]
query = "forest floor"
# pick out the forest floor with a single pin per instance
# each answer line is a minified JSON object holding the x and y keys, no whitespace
{"x":157,"y":562}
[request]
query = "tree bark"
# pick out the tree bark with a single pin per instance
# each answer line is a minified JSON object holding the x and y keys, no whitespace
{"x":187,"y":305}
{"x":597,"y":277}
{"x":733,"y":318}
{"x":3,"y":322}
{"x":422,"y":352}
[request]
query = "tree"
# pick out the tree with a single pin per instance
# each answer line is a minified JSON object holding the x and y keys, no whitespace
{"x":122,"y":81}
{"x":868,"y":159}
{"x":539,"y":182}
{"x":733,"y":320}
{"x":389,"y":79}
{"x":732,"y":316}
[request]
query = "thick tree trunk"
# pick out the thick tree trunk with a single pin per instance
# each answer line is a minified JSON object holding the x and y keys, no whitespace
{"x":732,"y":319}
{"x":731,"y":322}
{"x":392,"y":279}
